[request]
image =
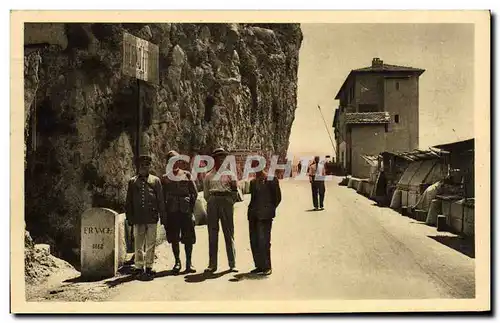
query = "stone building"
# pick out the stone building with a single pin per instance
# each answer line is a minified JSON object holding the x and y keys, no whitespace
{"x":378,"y":111}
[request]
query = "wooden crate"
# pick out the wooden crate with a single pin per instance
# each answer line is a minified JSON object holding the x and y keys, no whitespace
{"x":404,"y":198}
{"x":446,"y":208}
{"x":457,"y":216}
{"x":412,"y":198}
{"x":469,"y":221}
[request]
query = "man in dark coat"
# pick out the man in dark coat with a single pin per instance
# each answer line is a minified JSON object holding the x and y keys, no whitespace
{"x":180,"y":198}
{"x":265,"y":198}
{"x":144,"y":206}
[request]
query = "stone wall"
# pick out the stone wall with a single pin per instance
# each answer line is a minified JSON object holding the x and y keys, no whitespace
{"x":369,"y":140}
{"x":230,"y":85}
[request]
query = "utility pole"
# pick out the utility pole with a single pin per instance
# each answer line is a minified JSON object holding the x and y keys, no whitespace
{"x":328,"y":131}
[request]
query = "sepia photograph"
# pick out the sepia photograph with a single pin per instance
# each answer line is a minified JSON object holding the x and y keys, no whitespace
{"x":321,"y":162}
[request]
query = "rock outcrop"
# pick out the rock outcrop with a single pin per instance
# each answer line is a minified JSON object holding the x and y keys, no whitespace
{"x":39,"y":264}
{"x":230,"y":85}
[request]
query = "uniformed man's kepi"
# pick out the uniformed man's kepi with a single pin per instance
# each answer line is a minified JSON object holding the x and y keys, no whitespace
{"x":145,"y":157}
{"x":219,"y":152}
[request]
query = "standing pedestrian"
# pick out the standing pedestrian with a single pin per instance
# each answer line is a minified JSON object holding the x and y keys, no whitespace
{"x":265,"y":198}
{"x":317,"y":184}
{"x":180,"y":198}
{"x":219,"y":192}
{"x":144,"y":207}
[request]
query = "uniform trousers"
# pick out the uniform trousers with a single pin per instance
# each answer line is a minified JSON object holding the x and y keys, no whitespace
{"x":145,"y":242}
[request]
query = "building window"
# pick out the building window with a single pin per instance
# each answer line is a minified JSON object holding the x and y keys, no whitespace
{"x":368,"y":108}
{"x":396,"y":118}
{"x":397,"y":86}
{"x":386,"y":127}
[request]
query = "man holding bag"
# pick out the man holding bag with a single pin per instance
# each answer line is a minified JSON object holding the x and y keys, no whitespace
{"x":180,"y":195}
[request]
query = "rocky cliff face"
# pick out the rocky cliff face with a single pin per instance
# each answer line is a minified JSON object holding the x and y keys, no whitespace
{"x":230,"y":85}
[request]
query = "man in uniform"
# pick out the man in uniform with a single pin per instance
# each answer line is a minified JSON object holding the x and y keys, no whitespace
{"x":144,"y":206}
{"x":180,"y":198}
{"x":265,"y":198}
{"x":219,"y":194}
{"x":317,"y":184}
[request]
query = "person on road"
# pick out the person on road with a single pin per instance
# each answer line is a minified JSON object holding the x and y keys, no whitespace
{"x":265,"y":198}
{"x":180,"y":197}
{"x":219,"y":192}
{"x":144,"y":206}
{"x":317,"y":184}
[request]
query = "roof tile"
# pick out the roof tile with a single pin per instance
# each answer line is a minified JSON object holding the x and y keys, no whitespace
{"x":367,"y":117}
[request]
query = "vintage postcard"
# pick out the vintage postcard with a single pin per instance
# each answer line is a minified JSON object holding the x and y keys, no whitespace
{"x":250,"y":162}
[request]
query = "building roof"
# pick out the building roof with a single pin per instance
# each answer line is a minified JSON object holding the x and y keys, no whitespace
{"x":414,"y":155}
{"x":370,"y":159}
{"x":458,"y":146}
{"x":378,"y":66}
{"x":389,"y":68}
{"x":367,"y":118}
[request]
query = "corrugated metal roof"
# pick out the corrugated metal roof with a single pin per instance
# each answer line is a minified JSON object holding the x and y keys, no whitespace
{"x":367,"y":117}
{"x":464,"y":145}
{"x":370,"y":159}
{"x":415,"y":154}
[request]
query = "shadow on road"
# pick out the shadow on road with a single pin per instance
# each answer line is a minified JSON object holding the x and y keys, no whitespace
{"x":121,"y":280}
{"x":423,"y":223}
{"x":382,"y":206}
{"x":83,"y":279}
{"x":198,"y":278}
{"x":312,"y":210}
{"x":462,"y":245}
{"x":165,"y":273}
{"x":247,"y":276}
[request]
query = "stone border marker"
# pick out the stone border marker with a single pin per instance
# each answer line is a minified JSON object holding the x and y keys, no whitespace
{"x":103,"y":248}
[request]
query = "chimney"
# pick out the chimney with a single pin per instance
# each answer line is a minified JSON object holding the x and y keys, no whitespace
{"x":377,"y":62}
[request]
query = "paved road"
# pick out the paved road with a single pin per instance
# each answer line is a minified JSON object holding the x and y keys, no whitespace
{"x":352,"y":250}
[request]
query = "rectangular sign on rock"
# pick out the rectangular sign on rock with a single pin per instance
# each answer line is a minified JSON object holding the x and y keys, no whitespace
{"x":102,"y":242}
{"x":140,"y":58}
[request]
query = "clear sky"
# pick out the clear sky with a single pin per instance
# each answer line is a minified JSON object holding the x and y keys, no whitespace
{"x":330,"y":51}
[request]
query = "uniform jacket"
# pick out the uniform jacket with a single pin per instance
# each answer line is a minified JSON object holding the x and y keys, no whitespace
{"x":180,"y":196}
{"x":265,"y":198}
{"x":144,"y":204}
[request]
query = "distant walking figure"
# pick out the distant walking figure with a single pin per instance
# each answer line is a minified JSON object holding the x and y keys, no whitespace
{"x":265,"y":198}
{"x":317,"y":184}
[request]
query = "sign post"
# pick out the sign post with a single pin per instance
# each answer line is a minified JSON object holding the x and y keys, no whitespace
{"x":140,"y":60}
